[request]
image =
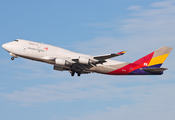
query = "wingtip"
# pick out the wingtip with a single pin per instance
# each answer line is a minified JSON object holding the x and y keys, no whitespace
{"x":121,"y":53}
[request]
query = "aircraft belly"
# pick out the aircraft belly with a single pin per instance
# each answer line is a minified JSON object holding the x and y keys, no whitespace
{"x":101,"y":69}
{"x":124,"y":69}
{"x":105,"y":69}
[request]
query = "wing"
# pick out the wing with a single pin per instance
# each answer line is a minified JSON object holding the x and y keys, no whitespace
{"x":63,"y":64}
{"x":109,"y":55}
{"x":76,"y":68}
{"x":80,"y":64}
{"x":82,"y":60}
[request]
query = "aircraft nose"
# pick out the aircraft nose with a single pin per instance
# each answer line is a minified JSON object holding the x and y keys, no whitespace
{"x":7,"y":46}
{"x":4,"y":46}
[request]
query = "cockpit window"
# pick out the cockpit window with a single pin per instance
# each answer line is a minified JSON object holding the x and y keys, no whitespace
{"x":16,"y":40}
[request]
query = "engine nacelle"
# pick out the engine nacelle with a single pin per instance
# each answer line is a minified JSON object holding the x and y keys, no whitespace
{"x":84,"y":60}
{"x":62,"y":62}
{"x":58,"y":68}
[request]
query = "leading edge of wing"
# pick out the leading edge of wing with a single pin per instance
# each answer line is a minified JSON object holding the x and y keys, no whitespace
{"x":109,"y":55}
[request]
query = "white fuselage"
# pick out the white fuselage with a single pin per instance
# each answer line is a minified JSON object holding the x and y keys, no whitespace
{"x":73,"y":62}
{"x":47,"y":53}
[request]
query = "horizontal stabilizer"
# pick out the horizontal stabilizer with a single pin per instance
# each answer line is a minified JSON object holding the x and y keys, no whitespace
{"x":109,"y":55}
{"x":153,"y":69}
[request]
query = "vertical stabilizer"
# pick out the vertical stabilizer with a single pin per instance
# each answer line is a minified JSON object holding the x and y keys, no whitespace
{"x":154,"y":59}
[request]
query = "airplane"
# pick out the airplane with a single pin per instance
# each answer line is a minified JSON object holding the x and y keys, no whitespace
{"x":65,"y":60}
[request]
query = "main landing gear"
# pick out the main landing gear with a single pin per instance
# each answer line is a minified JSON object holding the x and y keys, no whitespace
{"x":74,"y":70}
{"x":78,"y":74}
{"x":73,"y":73}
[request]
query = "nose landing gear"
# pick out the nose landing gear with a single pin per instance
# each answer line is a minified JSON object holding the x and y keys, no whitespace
{"x":12,"y":58}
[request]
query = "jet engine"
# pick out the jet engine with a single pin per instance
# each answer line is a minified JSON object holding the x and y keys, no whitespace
{"x":86,"y":61}
{"x":62,"y":62}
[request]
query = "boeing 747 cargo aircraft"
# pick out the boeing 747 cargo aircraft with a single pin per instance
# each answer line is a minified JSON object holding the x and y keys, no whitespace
{"x":65,"y":60}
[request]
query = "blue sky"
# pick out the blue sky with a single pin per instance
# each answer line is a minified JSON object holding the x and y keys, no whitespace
{"x":33,"y":90}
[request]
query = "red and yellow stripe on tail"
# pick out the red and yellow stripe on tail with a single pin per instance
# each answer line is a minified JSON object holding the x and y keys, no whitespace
{"x":152,"y":60}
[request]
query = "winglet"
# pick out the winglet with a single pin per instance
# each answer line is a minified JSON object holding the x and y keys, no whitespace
{"x":121,"y":53}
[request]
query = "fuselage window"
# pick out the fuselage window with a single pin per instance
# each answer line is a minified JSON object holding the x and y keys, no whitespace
{"x":31,"y":43}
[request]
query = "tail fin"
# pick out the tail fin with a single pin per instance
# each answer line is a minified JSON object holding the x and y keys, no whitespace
{"x":154,"y":59}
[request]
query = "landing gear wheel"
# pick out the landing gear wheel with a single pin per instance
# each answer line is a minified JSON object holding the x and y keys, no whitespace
{"x":12,"y":58}
{"x":78,"y":74}
{"x":72,"y":73}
